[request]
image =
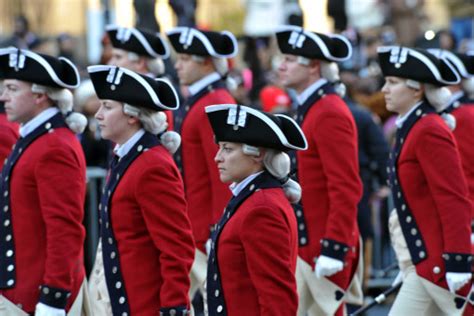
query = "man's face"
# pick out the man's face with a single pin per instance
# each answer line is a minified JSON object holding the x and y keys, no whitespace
{"x":20,"y":101}
{"x":120,"y":59}
{"x":188,"y":69}
{"x":293,"y":74}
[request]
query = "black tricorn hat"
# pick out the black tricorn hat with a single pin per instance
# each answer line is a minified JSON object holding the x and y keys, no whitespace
{"x":416,"y":64}
{"x":463,"y":63}
{"x":242,"y":124}
{"x":138,"y":41}
{"x":187,"y":40}
{"x":123,"y":85}
{"x":295,"y":40}
{"x":37,"y":68}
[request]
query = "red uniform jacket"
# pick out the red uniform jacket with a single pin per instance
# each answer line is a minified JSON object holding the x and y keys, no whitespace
{"x":432,"y":183}
{"x":256,"y":255}
{"x":169,"y":119}
{"x":8,"y":137}
{"x":152,"y":232}
{"x":47,"y":192}
{"x":463,"y":133}
{"x":328,"y":173}
{"x":205,"y":193}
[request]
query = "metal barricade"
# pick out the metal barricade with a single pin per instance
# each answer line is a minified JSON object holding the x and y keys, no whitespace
{"x":95,"y":181}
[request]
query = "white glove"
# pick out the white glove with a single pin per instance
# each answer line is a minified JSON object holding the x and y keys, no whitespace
{"x":327,"y":266}
{"x":208,"y":246}
{"x":457,"y":280}
{"x":45,"y":310}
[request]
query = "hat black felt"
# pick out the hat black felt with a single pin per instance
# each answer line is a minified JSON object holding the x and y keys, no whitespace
{"x":38,"y":68}
{"x":261,"y":129}
{"x":123,"y":85}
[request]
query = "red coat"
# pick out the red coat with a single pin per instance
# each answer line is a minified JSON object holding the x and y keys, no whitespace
{"x":328,"y":172}
{"x":169,"y":119}
{"x":47,"y":192}
{"x":463,"y":133}
{"x":205,"y":193}
{"x":152,"y":232}
{"x":436,"y":195}
{"x":8,"y":137}
{"x":256,"y":254}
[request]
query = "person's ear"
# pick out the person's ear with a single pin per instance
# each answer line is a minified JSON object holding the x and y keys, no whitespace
{"x":40,"y":98}
{"x":141,"y":63}
{"x":314,"y":66}
{"x":259,"y":158}
{"x":132,"y":120}
{"x":419,"y":93}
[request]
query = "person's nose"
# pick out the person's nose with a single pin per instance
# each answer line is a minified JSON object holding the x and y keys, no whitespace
{"x":218,"y":156}
{"x":3,"y":96}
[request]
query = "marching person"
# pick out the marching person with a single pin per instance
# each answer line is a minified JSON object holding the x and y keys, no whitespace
{"x":201,"y":65}
{"x":254,"y":247}
{"x":42,"y":188}
{"x":8,"y":135}
{"x":328,"y":171}
{"x":141,"y":51}
{"x":461,"y":106}
{"x":430,"y":224}
{"x":146,"y":246}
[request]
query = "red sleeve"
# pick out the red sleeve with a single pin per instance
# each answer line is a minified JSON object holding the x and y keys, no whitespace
{"x":441,"y":164}
{"x":336,"y":141}
{"x":61,"y":189}
{"x":161,"y":199}
{"x":268,"y":247}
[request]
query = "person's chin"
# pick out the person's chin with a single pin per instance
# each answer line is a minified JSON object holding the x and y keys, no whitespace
{"x":104,"y":134}
{"x":224,"y":179}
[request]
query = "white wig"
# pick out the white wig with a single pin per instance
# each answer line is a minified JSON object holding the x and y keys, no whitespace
{"x":277,"y":163}
{"x":63,"y":99}
{"x":155,"y":122}
{"x":438,"y":97}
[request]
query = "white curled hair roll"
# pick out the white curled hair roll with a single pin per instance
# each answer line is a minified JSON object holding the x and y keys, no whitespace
{"x":330,"y":72}
{"x":63,"y":98}
{"x":222,"y":68}
{"x":278,"y":164}
{"x":439,"y":98}
{"x":155,"y":123}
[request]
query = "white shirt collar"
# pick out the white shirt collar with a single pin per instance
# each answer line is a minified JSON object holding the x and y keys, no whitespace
{"x":122,"y":150}
{"x":203,"y":82}
{"x":303,"y":96}
{"x":401,"y":119}
{"x":236,"y":188}
{"x":39,"y":119}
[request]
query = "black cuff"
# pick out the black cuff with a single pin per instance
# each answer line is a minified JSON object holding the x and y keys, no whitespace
{"x":54,"y":297}
{"x":334,"y":249}
{"x":174,"y":311}
{"x":457,"y":262}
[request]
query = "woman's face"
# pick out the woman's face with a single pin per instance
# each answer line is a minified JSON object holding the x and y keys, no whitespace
{"x":113,"y":123}
{"x":399,"y":98}
{"x":233,"y":164}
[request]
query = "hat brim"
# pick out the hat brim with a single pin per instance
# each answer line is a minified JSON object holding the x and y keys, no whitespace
{"x":260,"y":129}
{"x":132,"y":88}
